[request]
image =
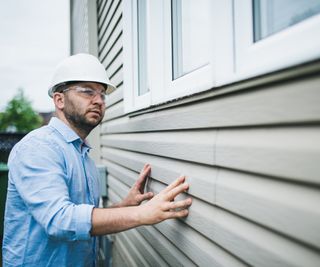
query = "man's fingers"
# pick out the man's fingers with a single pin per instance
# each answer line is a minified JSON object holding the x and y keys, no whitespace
{"x":142,"y":177}
{"x":176,"y":191}
{"x":175,"y":183}
{"x":177,"y":214}
{"x":144,"y":172}
{"x":182,"y":204}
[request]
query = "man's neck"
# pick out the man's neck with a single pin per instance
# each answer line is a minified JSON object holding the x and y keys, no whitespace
{"x":82,"y":133}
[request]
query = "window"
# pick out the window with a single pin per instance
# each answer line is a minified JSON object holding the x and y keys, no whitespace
{"x":188,"y":50}
{"x":271,"y":35}
{"x":135,"y":53}
{"x":190,"y":36}
{"x":270,"y":17}
{"x":143,"y":87}
{"x":174,"y":48}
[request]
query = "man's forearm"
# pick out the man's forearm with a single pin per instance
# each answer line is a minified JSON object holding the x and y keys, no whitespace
{"x":120,"y":204}
{"x":113,"y":220}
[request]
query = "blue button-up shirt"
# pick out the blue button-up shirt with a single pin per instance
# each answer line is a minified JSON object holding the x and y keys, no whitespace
{"x":52,"y":189}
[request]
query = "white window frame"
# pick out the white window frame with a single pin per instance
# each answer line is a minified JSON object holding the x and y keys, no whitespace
{"x":162,"y":87}
{"x":235,"y":56}
{"x":219,"y":69}
{"x":256,"y":58}
{"x":200,"y":79}
{"x":132,"y":99}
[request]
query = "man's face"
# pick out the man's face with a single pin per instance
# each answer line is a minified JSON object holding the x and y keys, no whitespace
{"x":84,"y":105}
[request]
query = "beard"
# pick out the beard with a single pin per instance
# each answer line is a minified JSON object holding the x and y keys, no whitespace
{"x":79,"y":120}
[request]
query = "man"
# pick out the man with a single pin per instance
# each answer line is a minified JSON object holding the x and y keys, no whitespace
{"x":52,"y":214}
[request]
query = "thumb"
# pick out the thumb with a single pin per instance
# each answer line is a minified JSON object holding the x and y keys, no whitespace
{"x":145,"y":196}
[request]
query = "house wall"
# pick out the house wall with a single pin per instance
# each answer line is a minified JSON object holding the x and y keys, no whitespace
{"x":251,"y":154}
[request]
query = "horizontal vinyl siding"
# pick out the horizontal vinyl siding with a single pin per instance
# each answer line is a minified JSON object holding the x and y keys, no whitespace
{"x":110,"y":39}
{"x":115,"y":111}
{"x":267,"y":201}
{"x":115,"y":97}
{"x":196,"y":246}
{"x":268,"y":151}
{"x":295,"y":102}
{"x":251,"y":158}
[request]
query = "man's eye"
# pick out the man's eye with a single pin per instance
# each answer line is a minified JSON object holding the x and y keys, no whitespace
{"x":88,"y":92}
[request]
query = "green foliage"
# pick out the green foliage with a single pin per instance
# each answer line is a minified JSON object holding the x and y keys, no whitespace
{"x":19,"y":115}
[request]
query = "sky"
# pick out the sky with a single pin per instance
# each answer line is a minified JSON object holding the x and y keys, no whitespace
{"x":34,"y":38}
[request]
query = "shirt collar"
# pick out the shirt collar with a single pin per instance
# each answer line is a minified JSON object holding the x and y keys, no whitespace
{"x":68,"y":134}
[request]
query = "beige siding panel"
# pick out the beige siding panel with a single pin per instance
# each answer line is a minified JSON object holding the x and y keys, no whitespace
{"x":201,"y":250}
{"x":106,"y":16}
{"x":289,"y":152}
{"x":197,"y":247}
{"x":116,"y":51}
{"x":292,"y":209}
{"x":132,"y":250}
{"x":114,"y":65}
{"x":121,"y":256}
{"x":159,"y":242}
{"x":103,"y":7}
{"x":117,"y":78}
{"x":114,"y":39}
{"x":258,"y":107}
{"x":165,"y":248}
{"x":145,"y":249}
{"x":114,"y":111}
{"x":113,"y":198}
{"x":268,"y":202}
{"x":201,"y":178}
{"x":124,"y":175}
{"x":179,"y":145}
{"x":100,"y":4}
{"x":114,"y":97}
{"x":268,"y":151}
{"x":114,"y":24}
{"x":124,"y":252}
{"x":117,"y":186}
{"x":102,"y":15}
{"x":140,"y":247}
{"x":245,"y":239}
{"x":117,"y":259}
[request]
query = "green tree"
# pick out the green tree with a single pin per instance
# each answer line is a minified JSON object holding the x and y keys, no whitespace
{"x":19,"y":115}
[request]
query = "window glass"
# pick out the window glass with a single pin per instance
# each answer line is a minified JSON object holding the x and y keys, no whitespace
{"x":190,"y":35}
{"x":271,"y":16}
{"x":142,"y":47}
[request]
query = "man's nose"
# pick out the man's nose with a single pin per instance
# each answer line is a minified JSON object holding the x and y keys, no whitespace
{"x":99,"y":98}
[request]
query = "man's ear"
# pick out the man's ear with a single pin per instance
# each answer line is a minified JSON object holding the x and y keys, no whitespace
{"x":59,"y":101}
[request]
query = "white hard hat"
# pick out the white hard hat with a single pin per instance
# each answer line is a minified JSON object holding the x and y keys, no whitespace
{"x":80,"y":68}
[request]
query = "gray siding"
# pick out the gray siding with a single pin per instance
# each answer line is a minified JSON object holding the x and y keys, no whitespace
{"x":251,"y":154}
{"x":110,"y":39}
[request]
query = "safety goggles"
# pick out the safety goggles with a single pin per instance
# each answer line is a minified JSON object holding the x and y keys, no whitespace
{"x":86,"y":92}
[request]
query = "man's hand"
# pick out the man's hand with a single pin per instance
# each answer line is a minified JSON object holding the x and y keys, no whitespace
{"x":162,"y":205}
{"x":159,"y":208}
{"x":136,"y":194}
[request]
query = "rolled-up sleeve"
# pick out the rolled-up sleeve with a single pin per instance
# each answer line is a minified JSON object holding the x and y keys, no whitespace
{"x":84,"y":221}
{"x":38,"y":171}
